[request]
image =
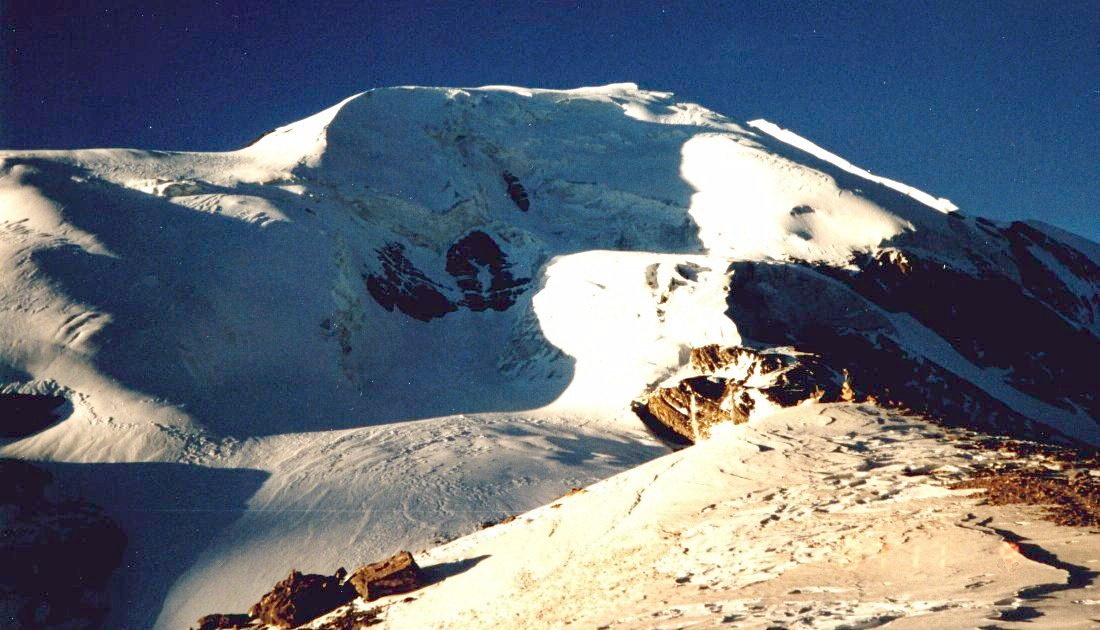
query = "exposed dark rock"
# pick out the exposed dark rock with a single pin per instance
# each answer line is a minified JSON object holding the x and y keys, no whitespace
{"x":24,"y":414}
{"x":397,"y":574}
{"x":468,"y":258}
{"x":481,"y":278}
{"x":219,"y":621}
{"x":799,"y":306}
{"x":516,"y":191}
{"x":55,"y":557}
{"x":1080,"y":303}
{"x":694,"y":405}
{"x":300,"y":598}
{"x":405,"y":287}
{"x":993,"y":320}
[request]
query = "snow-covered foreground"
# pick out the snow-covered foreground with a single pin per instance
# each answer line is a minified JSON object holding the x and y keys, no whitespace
{"x":820,"y":516}
{"x":217,"y":532}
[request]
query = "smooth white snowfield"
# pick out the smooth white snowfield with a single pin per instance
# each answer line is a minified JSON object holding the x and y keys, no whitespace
{"x":244,"y":406}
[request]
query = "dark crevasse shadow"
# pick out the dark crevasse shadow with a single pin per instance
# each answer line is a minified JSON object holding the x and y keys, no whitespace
{"x":1079,"y":577}
{"x":169,"y":512}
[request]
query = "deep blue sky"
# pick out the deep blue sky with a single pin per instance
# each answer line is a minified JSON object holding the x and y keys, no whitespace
{"x":994,"y":105}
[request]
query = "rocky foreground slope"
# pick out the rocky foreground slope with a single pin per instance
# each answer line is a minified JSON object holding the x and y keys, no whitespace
{"x":819,"y":516}
{"x":426,"y":308}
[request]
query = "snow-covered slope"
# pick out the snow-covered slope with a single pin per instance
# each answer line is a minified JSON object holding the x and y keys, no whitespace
{"x":820,"y":516}
{"x":474,"y":285}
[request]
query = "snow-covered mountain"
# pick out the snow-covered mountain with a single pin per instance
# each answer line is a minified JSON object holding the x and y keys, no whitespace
{"x":426,"y":308}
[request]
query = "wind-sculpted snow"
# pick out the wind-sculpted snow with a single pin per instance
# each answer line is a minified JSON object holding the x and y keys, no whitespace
{"x":499,"y":255}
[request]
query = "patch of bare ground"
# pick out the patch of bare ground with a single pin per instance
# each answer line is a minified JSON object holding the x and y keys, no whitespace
{"x":1064,"y":481}
{"x":354,"y":620}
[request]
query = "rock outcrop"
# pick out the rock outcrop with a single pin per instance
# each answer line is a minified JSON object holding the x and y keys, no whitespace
{"x":56,"y":557}
{"x":983,"y":330}
{"x":479,"y":277}
{"x":477,"y":255}
{"x":302,"y":597}
{"x":397,"y":574}
{"x":516,"y":191}
{"x":732,"y":383}
{"x":224,"y":622}
{"x":401,"y":285}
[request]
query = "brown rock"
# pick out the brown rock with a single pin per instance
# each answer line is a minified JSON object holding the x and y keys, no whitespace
{"x":218,"y":622}
{"x":516,"y":191}
{"x":398,"y":574}
{"x":782,"y":376}
{"x":300,"y":598}
{"x":696,"y":404}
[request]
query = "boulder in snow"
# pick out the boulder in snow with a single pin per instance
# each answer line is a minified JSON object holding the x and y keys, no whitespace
{"x":300,"y":598}
{"x":397,"y":574}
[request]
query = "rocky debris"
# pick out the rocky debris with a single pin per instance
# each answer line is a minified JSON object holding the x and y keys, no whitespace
{"x":302,"y":597}
{"x":734,"y":382}
{"x":56,"y":557}
{"x":353,"y":620}
{"x":220,"y":622}
{"x":1065,"y":481}
{"x":516,"y":191}
{"x":24,"y":414}
{"x":397,"y":574}
{"x":481,"y":279}
{"x":1073,"y":501}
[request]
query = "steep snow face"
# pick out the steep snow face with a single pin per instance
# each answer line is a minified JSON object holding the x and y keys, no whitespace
{"x":752,"y":203}
{"x":455,"y":255}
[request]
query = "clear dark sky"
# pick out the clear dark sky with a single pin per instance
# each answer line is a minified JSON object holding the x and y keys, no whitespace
{"x":994,"y":105}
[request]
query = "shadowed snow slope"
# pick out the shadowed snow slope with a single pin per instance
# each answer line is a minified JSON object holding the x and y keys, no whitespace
{"x":475,"y":284}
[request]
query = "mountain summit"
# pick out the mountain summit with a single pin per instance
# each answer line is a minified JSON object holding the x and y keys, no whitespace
{"x":255,"y":332}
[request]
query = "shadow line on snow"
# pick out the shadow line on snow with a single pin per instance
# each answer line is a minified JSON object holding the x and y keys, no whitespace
{"x":438,"y":572}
